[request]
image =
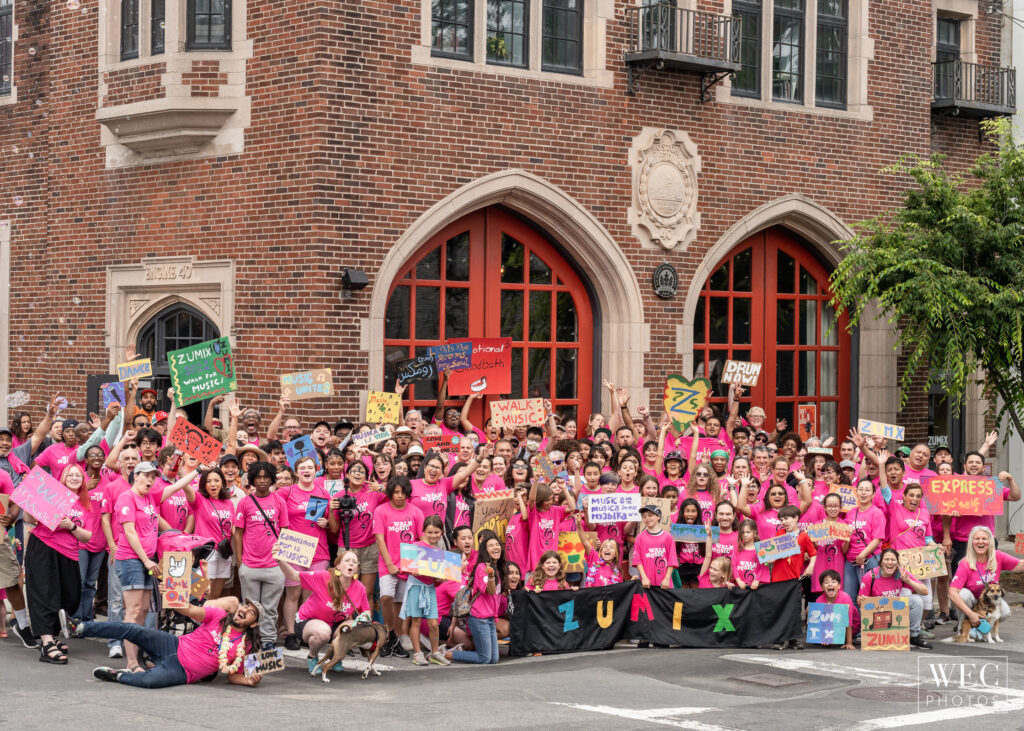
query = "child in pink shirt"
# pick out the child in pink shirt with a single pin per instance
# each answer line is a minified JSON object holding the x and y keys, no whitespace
{"x":545,"y":520}
{"x":654,"y":552}
{"x":602,"y":564}
{"x":549,"y":575}
{"x":747,"y":571}
{"x":830,"y":580}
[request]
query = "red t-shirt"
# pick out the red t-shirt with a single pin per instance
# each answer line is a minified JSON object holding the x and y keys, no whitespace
{"x":792,"y":566}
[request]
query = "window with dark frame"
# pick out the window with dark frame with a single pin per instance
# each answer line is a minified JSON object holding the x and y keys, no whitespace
{"x":156,"y":26}
{"x":747,"y":81}
{"x":452,"y":29}
{"x":562,"y":36}
{"x":209,"y":25}
{"x":831,"y":70}
{"x":947,"y":53}
{"x":129,"y":29}
{"x":508,"y":32}
{"x":787,"y":51}
{"x":6,"y":45}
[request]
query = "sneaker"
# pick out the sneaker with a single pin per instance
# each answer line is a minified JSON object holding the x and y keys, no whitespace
{"x":444,"y":649}
{"x":23,"y":634}
{"x":439,"y":659}
{"x":398,"y":651}
{"x":778,"y":646}
{"x":928,"y":623}
{"x":943,"y":618}
{"x":927,"y":635}
{"x":62,"y":617}
{"x":418,"y":659}
{"x":268,"y":646}
{"x":406,"y":642}
{"x":108,"y":674}
{"x":796,"y":645}
{"x":72,"y":626}
{"x":311,"y":664}
{"x":388,"y":649}
{"x":919,"y":641}
{"x":115,"y":652}
{"x":291,"y":642}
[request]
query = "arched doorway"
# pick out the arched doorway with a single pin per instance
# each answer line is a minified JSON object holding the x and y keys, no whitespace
{"x":176,"y":327}
{"x":490,"y":274}
{"x":767,"y":302}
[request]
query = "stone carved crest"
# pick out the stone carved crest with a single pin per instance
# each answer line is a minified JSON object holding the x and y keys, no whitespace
{"x":665,"y":165}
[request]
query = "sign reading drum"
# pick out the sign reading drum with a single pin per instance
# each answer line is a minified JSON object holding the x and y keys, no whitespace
{"x":202,"y":371}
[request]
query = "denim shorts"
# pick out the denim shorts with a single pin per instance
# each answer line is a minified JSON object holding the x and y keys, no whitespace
{"x":132,"y":574}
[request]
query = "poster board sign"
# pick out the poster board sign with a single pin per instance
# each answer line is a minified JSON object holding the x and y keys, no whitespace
{"x":806,"y":420}
{"x":296,"y":548}
{"x":884,"y":623}
{"x":316,"y":508}
{"x":264,"y":662}
{"x":1018,"y":544}
{"x":546,"y":467}
{"x":300,"y":447}
{"x":142,"y":368}
{"x":693,"y":532}
{"x":772,"y":549}
{"x":490,"y":371}
{"x":827,"y":623}
{"x":202,"y":371}
{"x":176,"y":579}
{"x":614,"y":507}
{"x":383,"y":407}
{"x":923,"y":562}
{"x":304,"y":385}
{"x":517,"y":413}
{"x":665,"y":505}
{"x":113,"y":393}
{"x":571,"y":549}
{"x":825,"y":531}
{"x":493,"y":513}
{"x":967,"y":495}
{"x":444,"y":443}
{"x":880,"y":429}
{"x":194,"y":442}
{"x":434,"y":562}
{"x":452,"y":356}
{"x":421,"y":369}
{"x":684,"y":399}
{"x":45,"y":498}
{"x":370,"y":437}
{"x":847,"y":494}
{"x":741,"y":372}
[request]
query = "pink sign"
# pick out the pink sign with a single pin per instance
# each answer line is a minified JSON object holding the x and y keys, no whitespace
{"x":44,"y":498}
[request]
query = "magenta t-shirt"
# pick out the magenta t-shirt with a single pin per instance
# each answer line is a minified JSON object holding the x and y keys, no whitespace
{"x":91,"y":520}
{"x":113,"y":489}
{"x":974,"y":580}
{"x":56,"y":457}
{"x":745,"y":566}
{"x":908,"y":529}
{"x":544,"y":527}
{"x":725,"y":545}
{"x":319,"y":604}
{"x":485,"y":606}
{"x":199,"y":650}
{"x":867,"y":526}
{"x":656,"y":554}
{"x":768,"y":523}
{"x":961,"y":528}
{"x":175,"y":509}
{"x":259,"y":537}
{"x":431,"y":499}
{"x":397,"y":527}
{"x":599,"y":573}
{"x":830,"y":556}
{"x":360,"y":529}
{"x":296,"y":501}
{"x":63,"y":541}
{"x":688,"y":552}
{"x":911,"y":475}
{"x":517,"y":544}
{"x":142,"y":511}
{"x":213,"y":517}
{"x":874,"y":584}
{"x":491,"y":483}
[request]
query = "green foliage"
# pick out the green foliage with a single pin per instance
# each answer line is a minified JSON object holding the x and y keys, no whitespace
{"x":947,"y":270}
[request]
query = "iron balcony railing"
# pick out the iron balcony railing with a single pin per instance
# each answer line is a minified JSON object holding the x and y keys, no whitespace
{"x":660,"y":30}
{"x":975,"y":87}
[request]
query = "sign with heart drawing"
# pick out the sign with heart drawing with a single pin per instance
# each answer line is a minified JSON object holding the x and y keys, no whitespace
{"x":684,"y":399}
{"x":202,"y":371}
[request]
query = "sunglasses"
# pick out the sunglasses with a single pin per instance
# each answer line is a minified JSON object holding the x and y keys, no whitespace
{"x":520,"y":466}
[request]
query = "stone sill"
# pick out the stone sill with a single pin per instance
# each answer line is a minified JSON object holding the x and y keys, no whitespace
{"x":168,"y":126}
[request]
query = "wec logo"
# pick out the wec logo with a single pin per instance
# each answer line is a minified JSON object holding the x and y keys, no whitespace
{"x":975,"y":681}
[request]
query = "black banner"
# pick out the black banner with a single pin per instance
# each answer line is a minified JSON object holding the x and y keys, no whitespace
{"x":597,"y":618}
{"x":416,"y":370}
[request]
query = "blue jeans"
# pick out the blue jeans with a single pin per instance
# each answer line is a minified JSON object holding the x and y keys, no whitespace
{"x":162,"y":647}
{"x":115,"y":603}
{"x":853,"y":575}
{"x":485,"y":640}
{"x":89,"y":565}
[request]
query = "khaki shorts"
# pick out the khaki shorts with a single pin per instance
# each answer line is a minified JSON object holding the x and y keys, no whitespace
{"x":369,"y":556}
{"x":10,"y":571}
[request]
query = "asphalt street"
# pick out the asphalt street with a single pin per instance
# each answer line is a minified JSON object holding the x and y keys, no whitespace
{"x":622,"y":688}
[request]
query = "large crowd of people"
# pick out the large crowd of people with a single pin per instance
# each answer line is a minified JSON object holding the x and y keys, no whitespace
{"x":732,"y":471}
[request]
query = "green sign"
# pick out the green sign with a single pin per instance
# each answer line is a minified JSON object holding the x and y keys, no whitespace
{"x":202,"y":371}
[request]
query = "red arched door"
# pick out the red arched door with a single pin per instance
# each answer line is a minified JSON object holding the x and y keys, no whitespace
{"x":767,"y":302}
{"x":492,"y":275}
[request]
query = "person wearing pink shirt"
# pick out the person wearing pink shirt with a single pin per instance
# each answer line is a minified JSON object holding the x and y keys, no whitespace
{"x":747,"y":571}
{"x":430,"y":494}
{"x":545,"y":520}
{"x":214,"y":513}
{"x":981,"y":565}
{"x":957,"y":528}
{"x":368,"y":495}
{"x":21,"y":428}
{"x":831,"y":551}
{"x":886,"y":580}
{"x":726,"y":544}
{"x":831,"y":593}
{"x":58,"y":456}
{"x":91,"y":553}
{"x":602,"y":563}
{"x":868,"y":532}
{"x":715,"y":571}
{"x":486,"y":581}
{"x":654,"y":552}
{"x":175,"y":511}
{"x":395,"y":522}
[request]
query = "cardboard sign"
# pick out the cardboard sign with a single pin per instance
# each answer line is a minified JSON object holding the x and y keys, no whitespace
{"x":944,"y":494}
{"x":884,"y":624}
{"x":493,"y":513}
{"x":847,"y":493}
{"x":421,"y":369}
{"x":194,"y":442}
{"x":1018,"y":544}
{"x":307,"y":384}
{"x":490,"y":371}
{"x":370,"y":437}
{"x":300,"y":447}
{"x":316,"y":508}
{"x":142,"y":368}
{"x":443,"y":443}
{"x":741,"y":372}
{"x":518,"y":413}
{"x":43,"y":497}
{"x":434,"y":562}
{"x":176,"y":579}
{"x":334,"y":487}
{"x":571,"y":549}
{"x":295,"y":548}
{"x":264,"y":662}
{"x":383,"y":407}
{"x":693,"y":533}
{"x":684,"y":399}
{"x":202,"y":371}
{"x":825,"y":531}
{"x":665,"y":505}
{"x":546,"y":467}
{"x":200,"y":584}
{"x":452,"y":356}
{"x":772,"y":549}
{"x":923,"y":562}
{"x":806,"y":420}
{"x":880,"y":429}
{"x":614,"y":507}
{"x":827,"y":623}
{"x":113,"y":393}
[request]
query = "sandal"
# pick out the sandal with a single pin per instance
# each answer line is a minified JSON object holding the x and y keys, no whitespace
{"x":51,"y":653}
{"x":136,"y":669}
{"x":61,"y":645}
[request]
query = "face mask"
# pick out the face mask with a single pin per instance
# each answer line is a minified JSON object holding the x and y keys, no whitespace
{"x":532,"y":445}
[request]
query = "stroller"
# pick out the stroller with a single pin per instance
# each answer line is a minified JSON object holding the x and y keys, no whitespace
{"x":169,"y":620}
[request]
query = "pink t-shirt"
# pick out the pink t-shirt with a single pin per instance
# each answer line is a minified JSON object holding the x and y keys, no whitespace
{"x":114,"y":488}
{"x":868,"y":525}
{"x":213,"y":517}
{"x":199,"y":650}
{"x":830,"y":556}
{"x":745,"y":566}
{"x":911,"y":475}
{"x":319,"y":604}
{"x":517,"y":543}
{"x":176,"y":509}
{"x":91,"y":520}
{"x":485,"y":606}
{"x":431,"y":499}
{"x":142,"y":510}
{"x":843,"y":598}
{"x":63,"y":541}
{"x":974,"y":580}
{"x":461,"y":509}
{"x":768,"y":522}
{"x":707,"y":506}
{"x":544,"y":527}
{"x":6,"y":483}
{"x":397,"y":527}
{"x":360,"y":530}
{"x":961,"y":528}
{"x":296,"y":501}
{"x":56,"y":457}
{"x":688,"y":552}
{"x":908,"y":529}
{"x":874,"y":584}
{"x":656,"y":554}
{"x":599,"y":573}
{"x":491,"y":483}
{"x":704,"y":581}
{"x":725,"y":545}
{"x":259,"y":537}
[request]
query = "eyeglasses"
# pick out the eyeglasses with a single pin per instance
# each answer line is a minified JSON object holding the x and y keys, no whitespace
{"x":520,"y":466}
{"x":702,"y":474}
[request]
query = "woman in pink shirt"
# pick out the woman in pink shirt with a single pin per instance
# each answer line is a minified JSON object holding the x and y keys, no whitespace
{"x":91,"y":553}
{"x":982,"y":565}
{"x":395,"y":522}
{"x":486,"y":582}
{"x":58,"y":456}
{"x":214,"y":511}
{"x":545,"y":520}
{"x":21,"y":428}
{"x":430,"y":494}
{"x":886,"y":580}
{"x":368,"y":495}
{"x":831,"y":551}
{"x":868,"y":524}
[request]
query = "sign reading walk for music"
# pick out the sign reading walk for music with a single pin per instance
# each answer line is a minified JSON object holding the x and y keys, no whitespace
{"x":202,"y":371}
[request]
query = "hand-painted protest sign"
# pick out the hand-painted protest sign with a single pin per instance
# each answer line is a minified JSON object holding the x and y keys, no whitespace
{"x":493,"y":513}
{"x":880,"y":429}
{"x":847,"y":494}
{"x":334,"y":487}
{"x":202,"y":371}
{"x":193,"y":441}
{"x":693,"y":532}
{"x":684,"y":399}
{"x":665,"y":505}
{"x":1018,"y":544}
{"x":944,"y":494}
{"x":807,"y":420}
{"x":200,"y":584}
{"x":176,"y":579}
{"x":825,"y":531}
{"x":434,"y":562}
{"x":772,"y":549}
{"x":827,"y":623}
{"x":316,"y":508}
{"x":741,"y":372}
{"x":884,"y":623}
{"x":142,"y":368}
{"x":301,"y":447}
{"x":570,"y":547}
{"x":452,"y":356}
{"x":383,"y":407}
{"x":296,"y":548}
{"x":490,"y":371}
{"x":444,"y":443}
{"x":614,"y":507}
{"x":421,"y":369}
{"x":518,"y":412}
{"x":43,"y":497}
{"x":264,"y":662}
{"x":304,"y":385}
{"x":369,"y":437}
{"x":923,"y":562}
{"x":113,"y":393}
{"x":546,"y":467}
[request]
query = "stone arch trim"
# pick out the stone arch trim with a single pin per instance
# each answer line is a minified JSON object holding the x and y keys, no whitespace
{"x":163,"y":302}
{"x":624,"y":334}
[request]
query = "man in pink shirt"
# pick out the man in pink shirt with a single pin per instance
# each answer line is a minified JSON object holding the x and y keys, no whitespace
{"x":58,"y":456}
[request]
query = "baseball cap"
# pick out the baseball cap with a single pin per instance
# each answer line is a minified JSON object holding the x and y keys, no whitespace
{"x":651,"y":509}
{"x":228,"y":458}
{"x":414,"y":451}
{"x":343,"y":424}
{"x":159,"y":416}
{"x":603,"y":430}
{"x":903,"y":451}
{"x":147,"y":390}
{"x":5,"y":430}
{"x":69,"y":424}
{"x":322,"y":422}
{"x":674,"y":454}
{"x":143,"y":467}
{"x":847,"y":464}
{"x":939,"y":448}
